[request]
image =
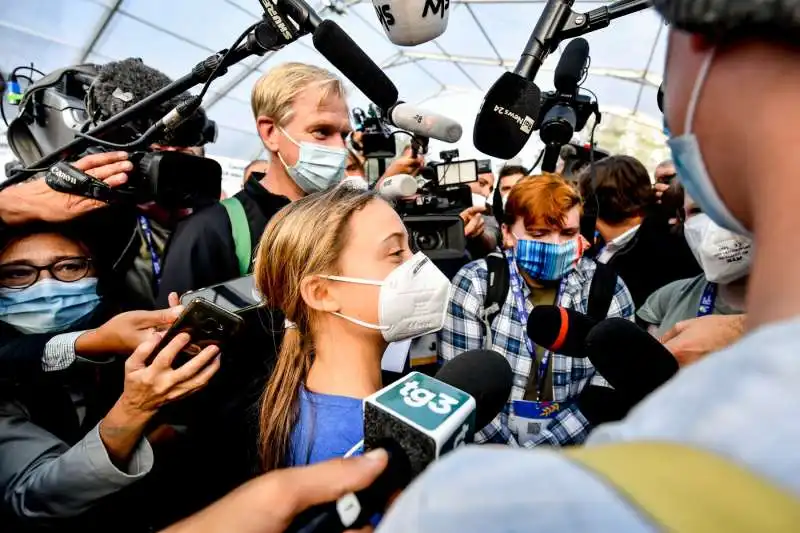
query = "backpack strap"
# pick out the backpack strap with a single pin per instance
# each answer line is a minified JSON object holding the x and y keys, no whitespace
{"x":496,"y":292}
{"x":681,"y":488}
{"x":240,"y":229}
{"x":604,"y":286}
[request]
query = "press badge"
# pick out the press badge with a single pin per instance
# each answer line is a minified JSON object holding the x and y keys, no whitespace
{"x":528,"y":419}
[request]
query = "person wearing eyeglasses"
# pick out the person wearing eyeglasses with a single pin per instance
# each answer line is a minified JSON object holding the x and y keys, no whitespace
{"x":71,"y":431}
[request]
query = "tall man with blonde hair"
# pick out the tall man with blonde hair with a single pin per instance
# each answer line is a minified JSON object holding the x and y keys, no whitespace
{"x":302,"y":118}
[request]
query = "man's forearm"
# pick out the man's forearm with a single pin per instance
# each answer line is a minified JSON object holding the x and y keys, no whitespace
{"x":120,"y":432}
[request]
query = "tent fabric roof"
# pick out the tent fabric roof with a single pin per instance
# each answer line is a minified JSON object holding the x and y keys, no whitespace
{"x":449,"y":75}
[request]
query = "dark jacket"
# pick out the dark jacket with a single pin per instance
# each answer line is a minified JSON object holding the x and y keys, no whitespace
{"x":201,"y":251}
{"x":654,"y":257}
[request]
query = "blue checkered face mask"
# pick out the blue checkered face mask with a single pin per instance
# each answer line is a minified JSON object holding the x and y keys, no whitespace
{"x":546,"y":261}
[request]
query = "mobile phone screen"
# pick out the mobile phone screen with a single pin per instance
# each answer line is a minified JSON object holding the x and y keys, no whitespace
{"x":233,"y":296}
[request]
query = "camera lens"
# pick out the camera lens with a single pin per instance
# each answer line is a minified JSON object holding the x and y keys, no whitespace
{"x":428,"y":240}
{"x":210,"y":326}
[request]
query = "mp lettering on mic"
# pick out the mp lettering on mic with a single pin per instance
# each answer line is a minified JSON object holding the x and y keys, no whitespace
{"x":412,"y":22}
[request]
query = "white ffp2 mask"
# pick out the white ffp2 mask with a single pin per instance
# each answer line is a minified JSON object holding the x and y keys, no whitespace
{"x":412,"y":302}
{"x":723,"y":255}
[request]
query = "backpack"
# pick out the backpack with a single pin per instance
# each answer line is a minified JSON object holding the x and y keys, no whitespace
{"x":240,"y":230}
{"x":604,"y":285}
{"x":682,"y":488}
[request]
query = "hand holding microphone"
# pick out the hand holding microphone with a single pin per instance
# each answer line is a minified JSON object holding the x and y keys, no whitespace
{"x":269,"y":503}
{"x":417,"y":419}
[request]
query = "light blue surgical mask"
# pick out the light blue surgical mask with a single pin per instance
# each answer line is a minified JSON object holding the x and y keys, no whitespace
{"x":49,"y":305}
{"x":692,"y":170}
{"x":318,"y":167}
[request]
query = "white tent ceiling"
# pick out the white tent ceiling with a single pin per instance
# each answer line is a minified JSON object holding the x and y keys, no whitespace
{"x":449,"y":75}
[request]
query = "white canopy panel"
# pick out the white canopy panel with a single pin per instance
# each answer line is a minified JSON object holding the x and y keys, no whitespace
{"x":449,"y":75}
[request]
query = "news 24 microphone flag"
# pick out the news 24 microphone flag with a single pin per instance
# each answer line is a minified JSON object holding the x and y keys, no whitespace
{"x":420,"y":413}
{"x":412,"y":22}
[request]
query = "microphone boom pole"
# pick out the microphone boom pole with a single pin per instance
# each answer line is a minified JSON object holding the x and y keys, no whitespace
{"x":261,"y":40}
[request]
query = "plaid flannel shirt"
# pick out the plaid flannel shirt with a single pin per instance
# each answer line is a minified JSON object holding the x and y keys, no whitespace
{"x":464,"y":330}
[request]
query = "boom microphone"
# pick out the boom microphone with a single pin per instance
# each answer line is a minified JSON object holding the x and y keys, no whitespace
{"x":412,"y":22}
{"x":417,"y":419}
{"x":571,"y":66}
{"x":629,"y":358}
{"x":560,"y":330}
{"x":424,"y":123}
{"x":344,"y":54}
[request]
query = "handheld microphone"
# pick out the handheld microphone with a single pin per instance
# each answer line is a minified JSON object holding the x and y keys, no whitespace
{"x":629,"y":358}
{"x":571,"y":66}
{"x":412,"y":22}
{"x":424,"y":123}
{"x":344,"y":54}
{"x":398,"y":186}
{"x":562,"y":331}
{"x":417,"y":419}
{"x":507,"y":116}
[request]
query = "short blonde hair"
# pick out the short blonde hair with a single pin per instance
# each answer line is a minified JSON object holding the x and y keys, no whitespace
{"x":275,"y":92}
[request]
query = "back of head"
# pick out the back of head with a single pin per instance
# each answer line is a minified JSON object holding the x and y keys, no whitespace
{"x":295,"y":245}
{"x":542,"y":200}
{"x":621,"y":186}
{"x":275,"y":92}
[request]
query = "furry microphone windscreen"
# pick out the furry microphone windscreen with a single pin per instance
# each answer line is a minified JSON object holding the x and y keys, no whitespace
{"x":121,"y":84}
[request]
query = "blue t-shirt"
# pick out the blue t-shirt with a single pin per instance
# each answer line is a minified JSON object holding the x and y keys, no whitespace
{"x":327,"y":427}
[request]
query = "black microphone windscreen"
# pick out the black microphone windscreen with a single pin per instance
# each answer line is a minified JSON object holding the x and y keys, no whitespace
{"x":507,"y":116}
{"x":569,"y":70}
{"x":634,"y":362}
{"x":483,"y":374}
{"x":337,"y":47}
{"x":560,"y":330}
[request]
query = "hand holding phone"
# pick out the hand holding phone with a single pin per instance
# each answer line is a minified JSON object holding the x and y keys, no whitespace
{"x":148,"y":387}
{"x":206,"y":324}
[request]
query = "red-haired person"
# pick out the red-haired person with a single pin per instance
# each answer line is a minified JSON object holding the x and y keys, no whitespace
{"x":543,"y":255}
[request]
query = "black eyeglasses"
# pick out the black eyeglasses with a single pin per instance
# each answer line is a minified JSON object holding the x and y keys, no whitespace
{"x":21,"y":276}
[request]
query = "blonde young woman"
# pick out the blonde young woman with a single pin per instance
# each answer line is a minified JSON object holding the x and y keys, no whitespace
{"x":339,"y":266}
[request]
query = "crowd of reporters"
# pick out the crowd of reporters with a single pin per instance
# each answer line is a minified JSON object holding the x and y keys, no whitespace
{"x":99,"y":432}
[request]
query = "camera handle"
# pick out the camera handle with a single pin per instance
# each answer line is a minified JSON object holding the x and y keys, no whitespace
{"x":261,"y":40}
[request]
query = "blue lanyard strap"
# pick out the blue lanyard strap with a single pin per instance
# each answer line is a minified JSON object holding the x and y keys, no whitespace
{"x":151,"y":246}
{"x":708,"y":300}
{"x":522,"y":315}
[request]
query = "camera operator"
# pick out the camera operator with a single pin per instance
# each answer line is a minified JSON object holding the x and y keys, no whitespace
{"x":302,"y":119}
{"x":130,"y":238}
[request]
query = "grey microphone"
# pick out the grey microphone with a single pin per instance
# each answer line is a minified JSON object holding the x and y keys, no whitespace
{"x":398,"y":186}
{"x":424,"y":123}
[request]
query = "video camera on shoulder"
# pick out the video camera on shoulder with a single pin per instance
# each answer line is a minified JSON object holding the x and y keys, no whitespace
{"x":432,"y":216}
{"x":58,"y":107}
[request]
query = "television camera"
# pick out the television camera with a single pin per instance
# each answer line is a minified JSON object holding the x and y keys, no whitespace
{"x":432,"y":216}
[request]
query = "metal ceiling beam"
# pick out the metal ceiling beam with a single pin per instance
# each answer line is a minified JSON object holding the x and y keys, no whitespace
{"x":639,"y":76}
{"x":105,"y":20}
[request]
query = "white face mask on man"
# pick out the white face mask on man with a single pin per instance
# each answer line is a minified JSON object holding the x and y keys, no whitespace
{"x":413,"y":300}
{"x":723,"y":255}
